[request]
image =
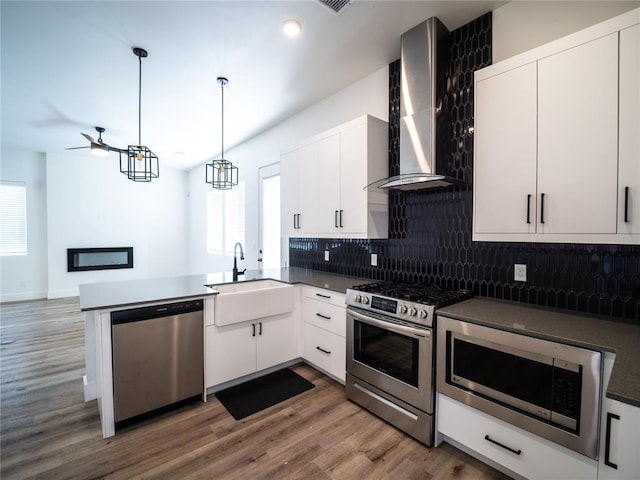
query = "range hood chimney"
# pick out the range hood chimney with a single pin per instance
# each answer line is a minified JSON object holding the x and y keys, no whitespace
{"x":419,"y":109}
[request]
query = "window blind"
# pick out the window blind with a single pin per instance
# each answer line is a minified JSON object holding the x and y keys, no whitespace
{"x":13,"y":218}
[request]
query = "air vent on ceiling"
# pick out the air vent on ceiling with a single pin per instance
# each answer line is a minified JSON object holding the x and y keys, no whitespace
{"x":336,"y":6}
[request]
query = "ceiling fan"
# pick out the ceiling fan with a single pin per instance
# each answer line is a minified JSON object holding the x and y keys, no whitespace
{"x":98,"y":147}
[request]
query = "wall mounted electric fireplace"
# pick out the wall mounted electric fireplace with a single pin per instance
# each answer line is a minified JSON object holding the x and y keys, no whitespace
{"x":82,"y":259}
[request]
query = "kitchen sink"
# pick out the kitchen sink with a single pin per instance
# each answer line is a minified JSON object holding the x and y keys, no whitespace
{"x":250,"y":300}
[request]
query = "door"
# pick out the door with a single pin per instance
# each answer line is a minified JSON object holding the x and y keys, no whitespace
{"x":329,"y":178}
{"x":578,"y":138}
{"x":270,"y":216}
{"x":629,"y":173}
{"x":353,"y":178}
{"x":289,"y":193}
{"x":505,"y":149}
{"x":276,"y":340}
{"x":308,"y":190}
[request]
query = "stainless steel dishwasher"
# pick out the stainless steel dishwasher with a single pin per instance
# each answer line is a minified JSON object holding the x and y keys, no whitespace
{"x":158,"y":357}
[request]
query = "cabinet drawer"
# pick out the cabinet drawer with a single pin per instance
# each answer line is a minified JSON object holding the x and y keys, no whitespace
{"x":326,"y":351}
{"x":325,"y":315}
{"x":537,"y":457}
{"x":323,"y":295}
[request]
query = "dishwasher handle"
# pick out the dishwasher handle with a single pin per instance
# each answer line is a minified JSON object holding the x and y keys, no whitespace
{"x":156,"y":311}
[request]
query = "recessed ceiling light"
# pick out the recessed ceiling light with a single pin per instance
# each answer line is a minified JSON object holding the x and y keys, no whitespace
{"x":291,"y":27}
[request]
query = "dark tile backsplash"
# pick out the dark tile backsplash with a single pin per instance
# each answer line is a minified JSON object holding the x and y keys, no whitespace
{"x":430,"y":230}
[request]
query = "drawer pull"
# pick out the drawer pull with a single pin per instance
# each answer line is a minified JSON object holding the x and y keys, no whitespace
{"x":489,"y":439}
{"x":607,"y":441}
{"x":328,"y":352}
{"x":323,"y":316}
{"x":323,"y":296}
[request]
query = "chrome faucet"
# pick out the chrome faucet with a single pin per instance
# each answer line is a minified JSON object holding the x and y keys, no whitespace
{"x":236,"y":273}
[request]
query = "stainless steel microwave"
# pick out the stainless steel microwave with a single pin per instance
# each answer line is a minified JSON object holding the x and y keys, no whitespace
{"x":548,"y":388}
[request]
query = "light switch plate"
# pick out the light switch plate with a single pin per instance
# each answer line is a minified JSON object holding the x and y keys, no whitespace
{"x":374,"y":259}
{"x":520,"y":272}
{"x":326,"y":255}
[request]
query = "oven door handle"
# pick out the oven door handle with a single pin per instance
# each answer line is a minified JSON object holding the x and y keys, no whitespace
{"x":394,"y":327}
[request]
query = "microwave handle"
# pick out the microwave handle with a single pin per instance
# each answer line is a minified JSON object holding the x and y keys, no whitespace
{"x":390,"y":326}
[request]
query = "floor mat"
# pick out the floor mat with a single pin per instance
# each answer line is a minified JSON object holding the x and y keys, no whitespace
{"x":255,"y":395}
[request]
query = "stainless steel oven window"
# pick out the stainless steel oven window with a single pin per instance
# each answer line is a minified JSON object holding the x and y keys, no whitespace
{"x":380,"y":373}
{"x":387,"y":351}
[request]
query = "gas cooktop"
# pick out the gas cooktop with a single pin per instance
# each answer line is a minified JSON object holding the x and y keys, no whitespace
{"x":413,"y":302}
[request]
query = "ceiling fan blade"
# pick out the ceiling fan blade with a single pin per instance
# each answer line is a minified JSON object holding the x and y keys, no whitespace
{"x":89,"y":137}
{"x":75,"y":148}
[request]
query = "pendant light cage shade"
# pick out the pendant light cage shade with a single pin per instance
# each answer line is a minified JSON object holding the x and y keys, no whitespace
{"x":139,"y":163}
{"x":221,"y":174}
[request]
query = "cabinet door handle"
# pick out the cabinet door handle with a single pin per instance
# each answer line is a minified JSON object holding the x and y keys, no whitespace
{"x":323,"y":316}
{"x":489,"y":439}
{"x":323,"y":296}
{"x":626,"y":204}
{"x":253,"y":326}
{"x":341,"y":218}
{"x":607,"y":440}
{"x":260,"y":330}
{"x":542,"y":208}
{"x":529,"y":208}
{"x":328,"y":352}
{"x":335,"y":218}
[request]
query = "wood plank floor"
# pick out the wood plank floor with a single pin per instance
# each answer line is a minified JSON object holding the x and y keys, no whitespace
{"x":47,"y":431}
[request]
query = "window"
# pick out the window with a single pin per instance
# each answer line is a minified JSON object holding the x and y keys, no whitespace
{"x":13,"y":218}
{"x":225,"y":219}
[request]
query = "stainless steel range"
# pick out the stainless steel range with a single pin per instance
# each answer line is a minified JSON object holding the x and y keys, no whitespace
{"x":391,"y":351}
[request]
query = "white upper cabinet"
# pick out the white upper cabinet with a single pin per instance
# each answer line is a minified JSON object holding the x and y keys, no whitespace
{"x":332,"y":170}
{"x":299,"y":200}
{"x":505,"y":187}
{"x":289,"y":196}
{"x":578,"y":138}
{"x":557,"y":140}
{"x":629,"y":150}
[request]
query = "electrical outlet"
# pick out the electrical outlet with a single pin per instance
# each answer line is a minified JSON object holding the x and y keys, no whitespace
{"x":326,"y":255}
{"x":374,"y":259}
{"x":520,"y":272}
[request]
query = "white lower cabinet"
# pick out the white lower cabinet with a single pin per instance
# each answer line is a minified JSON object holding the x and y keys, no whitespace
{"x":619,"y":435}
{"x":324,"y":331}
{"x":240,"y":349}
{"x":325,"y":350}
{"x":508,"y":447}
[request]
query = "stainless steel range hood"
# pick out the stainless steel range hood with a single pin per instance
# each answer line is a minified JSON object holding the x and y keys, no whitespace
{"x":418,"y":109}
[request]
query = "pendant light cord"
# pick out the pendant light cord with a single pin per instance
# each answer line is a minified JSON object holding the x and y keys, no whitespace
{"x":222,"y":118}
{"x":140,"y":101}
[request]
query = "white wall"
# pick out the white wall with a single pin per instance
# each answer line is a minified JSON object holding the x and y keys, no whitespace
{"x":367,"y":96}
{"x":91,"y":204}
{"x":519,"y":26}
{"x":24,"y":277}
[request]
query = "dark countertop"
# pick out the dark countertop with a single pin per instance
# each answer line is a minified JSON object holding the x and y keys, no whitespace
{"x":600,"y":334}
{"x":107,"y":295}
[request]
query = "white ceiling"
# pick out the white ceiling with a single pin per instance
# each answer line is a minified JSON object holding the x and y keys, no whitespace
{"x":68,"y":66}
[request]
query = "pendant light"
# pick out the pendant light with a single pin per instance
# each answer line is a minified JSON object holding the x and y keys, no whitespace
{"x":140,"y":163}
{"x":221,"y":174}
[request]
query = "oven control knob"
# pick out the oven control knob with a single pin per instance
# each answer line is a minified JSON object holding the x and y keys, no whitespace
{"x":365,"y":299}
{"x":423,"y":314}
{"x":413,"y":312}
{"x":403,"y":309}
{"x":358,"y":299}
